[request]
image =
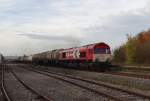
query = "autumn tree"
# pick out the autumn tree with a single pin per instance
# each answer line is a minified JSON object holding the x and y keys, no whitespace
{"x":135,"y":50}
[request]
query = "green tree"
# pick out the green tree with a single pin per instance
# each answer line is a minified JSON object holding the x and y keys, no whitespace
{"x":130,"y":48}
{"x":119,"y":55}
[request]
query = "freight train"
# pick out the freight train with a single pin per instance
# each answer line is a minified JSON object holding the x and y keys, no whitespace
{"x":93,"y":55}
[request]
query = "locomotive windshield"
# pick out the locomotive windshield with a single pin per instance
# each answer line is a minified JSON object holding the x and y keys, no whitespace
{"x":102,"y":51}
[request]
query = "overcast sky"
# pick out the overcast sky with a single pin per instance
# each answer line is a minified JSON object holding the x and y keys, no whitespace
{"x":32,"y":26}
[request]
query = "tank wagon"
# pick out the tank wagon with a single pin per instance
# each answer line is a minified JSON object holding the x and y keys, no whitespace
{"x":40,"y":58}
{"x":27,"y":59}
{"x":1,"y":59}
{"x":97,"y":54}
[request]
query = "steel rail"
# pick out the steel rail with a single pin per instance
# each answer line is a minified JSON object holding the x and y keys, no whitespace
{"x":81,"y":86}
{"x":4,"y":91}
{"x":130,"y":74}
{"x":30,"y":88}
{"x":100,"y":84}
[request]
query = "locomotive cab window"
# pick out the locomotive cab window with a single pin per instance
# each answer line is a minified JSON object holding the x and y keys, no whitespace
{"x":102,"y":51}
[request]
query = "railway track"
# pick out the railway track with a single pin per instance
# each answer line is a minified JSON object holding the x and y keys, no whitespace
{"x":5,"y":94}
{"x":27,"y":87}
{"x":42,"y":97}
{"x":113,"y":93}
{"x":131,"y":74}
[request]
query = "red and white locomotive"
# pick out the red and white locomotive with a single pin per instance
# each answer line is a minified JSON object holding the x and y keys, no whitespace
{"x":98,"y":53}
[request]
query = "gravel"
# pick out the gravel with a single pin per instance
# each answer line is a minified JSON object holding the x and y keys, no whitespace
{"x":107,"y":90}
{"x":17,"y":91}
{"x":56,"y":89}
{"x":138,"y":84}
{"x":0,"y":86}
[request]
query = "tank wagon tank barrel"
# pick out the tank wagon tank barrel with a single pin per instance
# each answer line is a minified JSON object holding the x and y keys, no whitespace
{"x":1,"y":59}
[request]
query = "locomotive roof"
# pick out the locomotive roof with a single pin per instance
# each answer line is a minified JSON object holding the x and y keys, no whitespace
{"x":89,"y":45}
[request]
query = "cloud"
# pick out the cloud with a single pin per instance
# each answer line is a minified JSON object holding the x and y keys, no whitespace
{"x":116,"y":28}
{"x":71,"y":40}
{"x":52,"y":24}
